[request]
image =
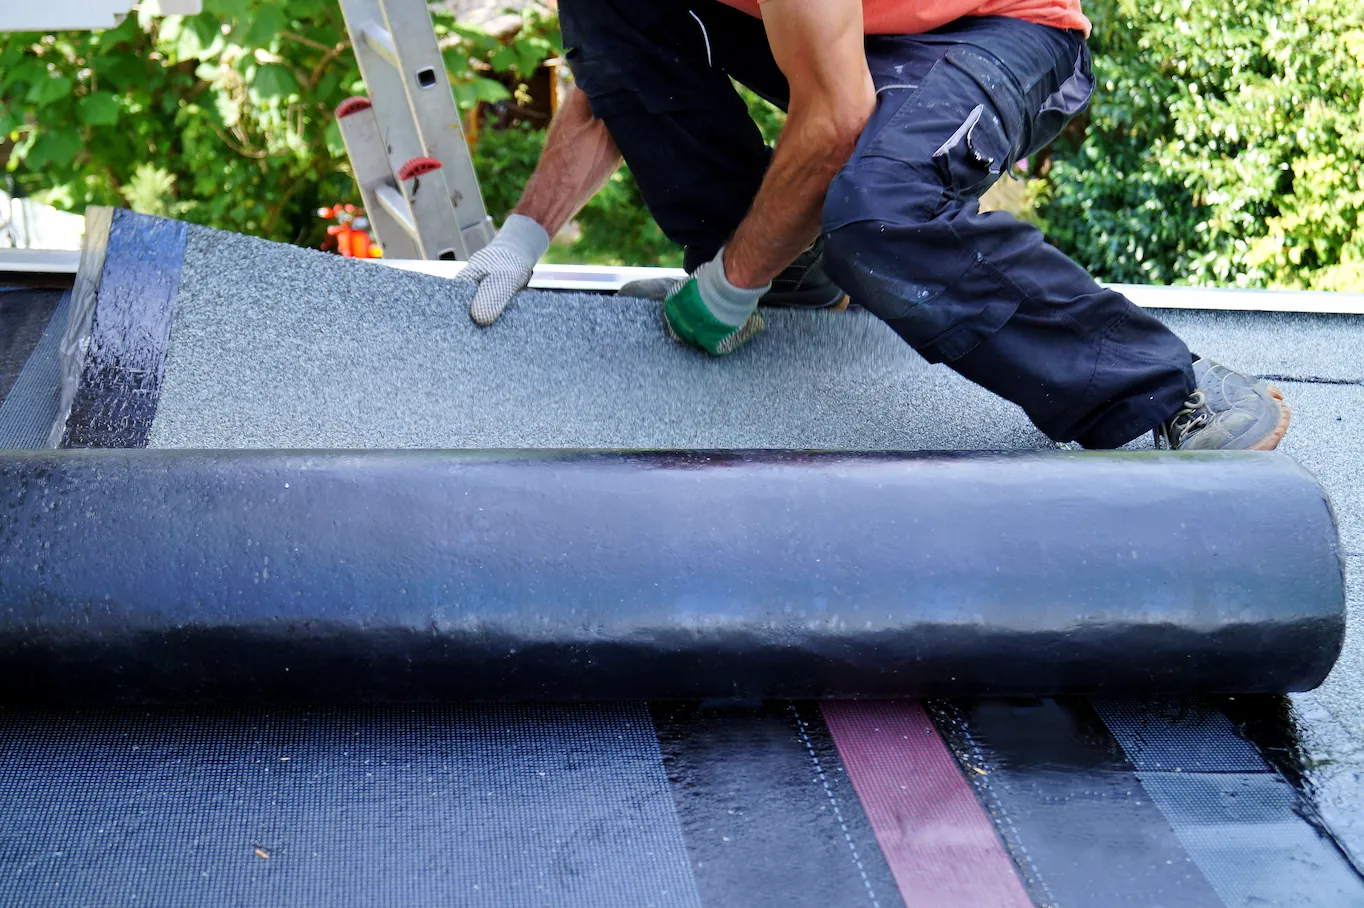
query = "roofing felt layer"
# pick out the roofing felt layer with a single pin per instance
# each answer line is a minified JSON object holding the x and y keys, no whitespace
{"x":772,"y":810}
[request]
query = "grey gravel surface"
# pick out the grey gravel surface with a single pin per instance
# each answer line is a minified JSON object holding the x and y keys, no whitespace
{"x":1327,"y":437}
{"x":1323,"y":347}
{"x":275,"y":346}
{"x":326,"y":352}
{"x":1330,"y":726}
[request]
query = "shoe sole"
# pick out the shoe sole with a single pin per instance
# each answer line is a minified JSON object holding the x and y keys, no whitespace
{"x":1271,"y":441}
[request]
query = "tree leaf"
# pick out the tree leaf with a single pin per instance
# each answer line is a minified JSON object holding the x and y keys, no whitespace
{"x":456,"y":63}
{"x":274,"y":80}
{"x":336,"y":146}
{"x":28,"y":72}
{"x":206,"y":28}
{"x":198,"y":38}
{"x":327,"y":85}
{"x":45,"y":91}
{"x":57,"y":147}
{"x":227,"y":9}
{"x":490,"y":90}
{"x":122,"y":71}
{"x":265,"y":25}
{"x":98,"y":109}
{"x":503,"y":59}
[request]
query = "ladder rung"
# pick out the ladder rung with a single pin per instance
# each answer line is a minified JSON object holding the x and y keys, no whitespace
{"x":416,"y":167}
{"x":352,"y":106}
{"x":378,"y":38}
{"x":393,"y":202}
{"x":412,"y":126}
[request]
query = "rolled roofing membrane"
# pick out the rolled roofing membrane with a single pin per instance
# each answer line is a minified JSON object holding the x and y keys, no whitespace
{"x":421,"y":575}
{"x":518,"y":574}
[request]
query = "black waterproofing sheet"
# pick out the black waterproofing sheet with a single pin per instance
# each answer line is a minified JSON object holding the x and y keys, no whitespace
{"x":418,"y":575}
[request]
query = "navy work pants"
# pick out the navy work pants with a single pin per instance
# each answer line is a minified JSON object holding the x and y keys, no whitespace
{"x":904,"y":234}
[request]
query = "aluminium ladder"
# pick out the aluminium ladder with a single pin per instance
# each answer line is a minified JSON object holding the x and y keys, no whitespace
{"x":405,"y":142}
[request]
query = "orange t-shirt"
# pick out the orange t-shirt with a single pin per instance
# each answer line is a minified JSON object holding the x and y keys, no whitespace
{"x":913,"y":17}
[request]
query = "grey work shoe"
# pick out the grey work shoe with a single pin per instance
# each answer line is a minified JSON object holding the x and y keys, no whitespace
{"x":802,"y":285}
{"x":1227,"y":411}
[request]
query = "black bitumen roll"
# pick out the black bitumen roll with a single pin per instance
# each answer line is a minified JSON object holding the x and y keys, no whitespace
{"x":432,"y":575}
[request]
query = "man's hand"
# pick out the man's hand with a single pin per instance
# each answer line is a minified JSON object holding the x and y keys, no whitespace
{"x":502,"y":268}
{"x":819,"y":46}
{"x":579,"y":157}
{"x":705,"y":310}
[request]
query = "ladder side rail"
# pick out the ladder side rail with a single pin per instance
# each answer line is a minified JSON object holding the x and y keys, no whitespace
{"x":430,"y":98}
{"x":373,"y":174}
{"x":427,"y":197}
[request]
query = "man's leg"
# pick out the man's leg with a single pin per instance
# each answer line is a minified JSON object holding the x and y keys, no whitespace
{"x":655,"y":72}
{"x":985,"y":293}
{"x":658,"y":74}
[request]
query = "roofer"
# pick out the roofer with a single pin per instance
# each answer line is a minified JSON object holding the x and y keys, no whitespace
{"x":900,"y":115}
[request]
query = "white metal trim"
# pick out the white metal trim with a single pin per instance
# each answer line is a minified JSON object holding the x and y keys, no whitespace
{"x":609,"y":278}
{"x":38,"y":261}
{"x":1236,"y":300}
{"x":72,"y":15}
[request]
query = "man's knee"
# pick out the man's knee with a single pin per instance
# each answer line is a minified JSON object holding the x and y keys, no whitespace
{"x":896,"y":246}
{"x":878,"y":233}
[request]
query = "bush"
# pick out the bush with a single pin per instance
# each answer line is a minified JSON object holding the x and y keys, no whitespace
{"x":1224,"y":146}
{"x":224,"y":118}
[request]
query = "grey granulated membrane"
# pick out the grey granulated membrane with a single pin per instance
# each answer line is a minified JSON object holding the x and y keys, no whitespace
{"x":279,"y":347}
{"x":1279,"y":344}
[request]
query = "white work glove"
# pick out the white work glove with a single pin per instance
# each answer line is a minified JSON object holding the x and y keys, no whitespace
{"x":503,"y":267}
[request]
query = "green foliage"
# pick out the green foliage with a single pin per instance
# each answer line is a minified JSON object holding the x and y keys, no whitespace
{"x":224,"y":118}
{"x":614,"y":228}
{"x":152,"y":190}
{"x":1224,"y":147}
{"x":769,"y":118}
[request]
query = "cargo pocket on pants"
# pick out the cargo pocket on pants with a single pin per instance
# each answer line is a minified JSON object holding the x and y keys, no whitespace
{"x":974,"y":156}
{"x":1062,"y":105}
{"x":970,"y":161}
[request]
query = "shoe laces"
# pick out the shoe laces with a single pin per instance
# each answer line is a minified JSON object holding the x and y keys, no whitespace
{"x":1191,"y":417}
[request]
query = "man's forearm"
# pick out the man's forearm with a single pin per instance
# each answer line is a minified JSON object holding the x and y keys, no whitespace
{"x":578,"y":158}
{"x":819,"y":46}
{"x":784,"y":219}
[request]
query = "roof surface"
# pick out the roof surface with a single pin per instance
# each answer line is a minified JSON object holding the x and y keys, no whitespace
{"x":274,"y":346}
{"x":336,"y":353}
